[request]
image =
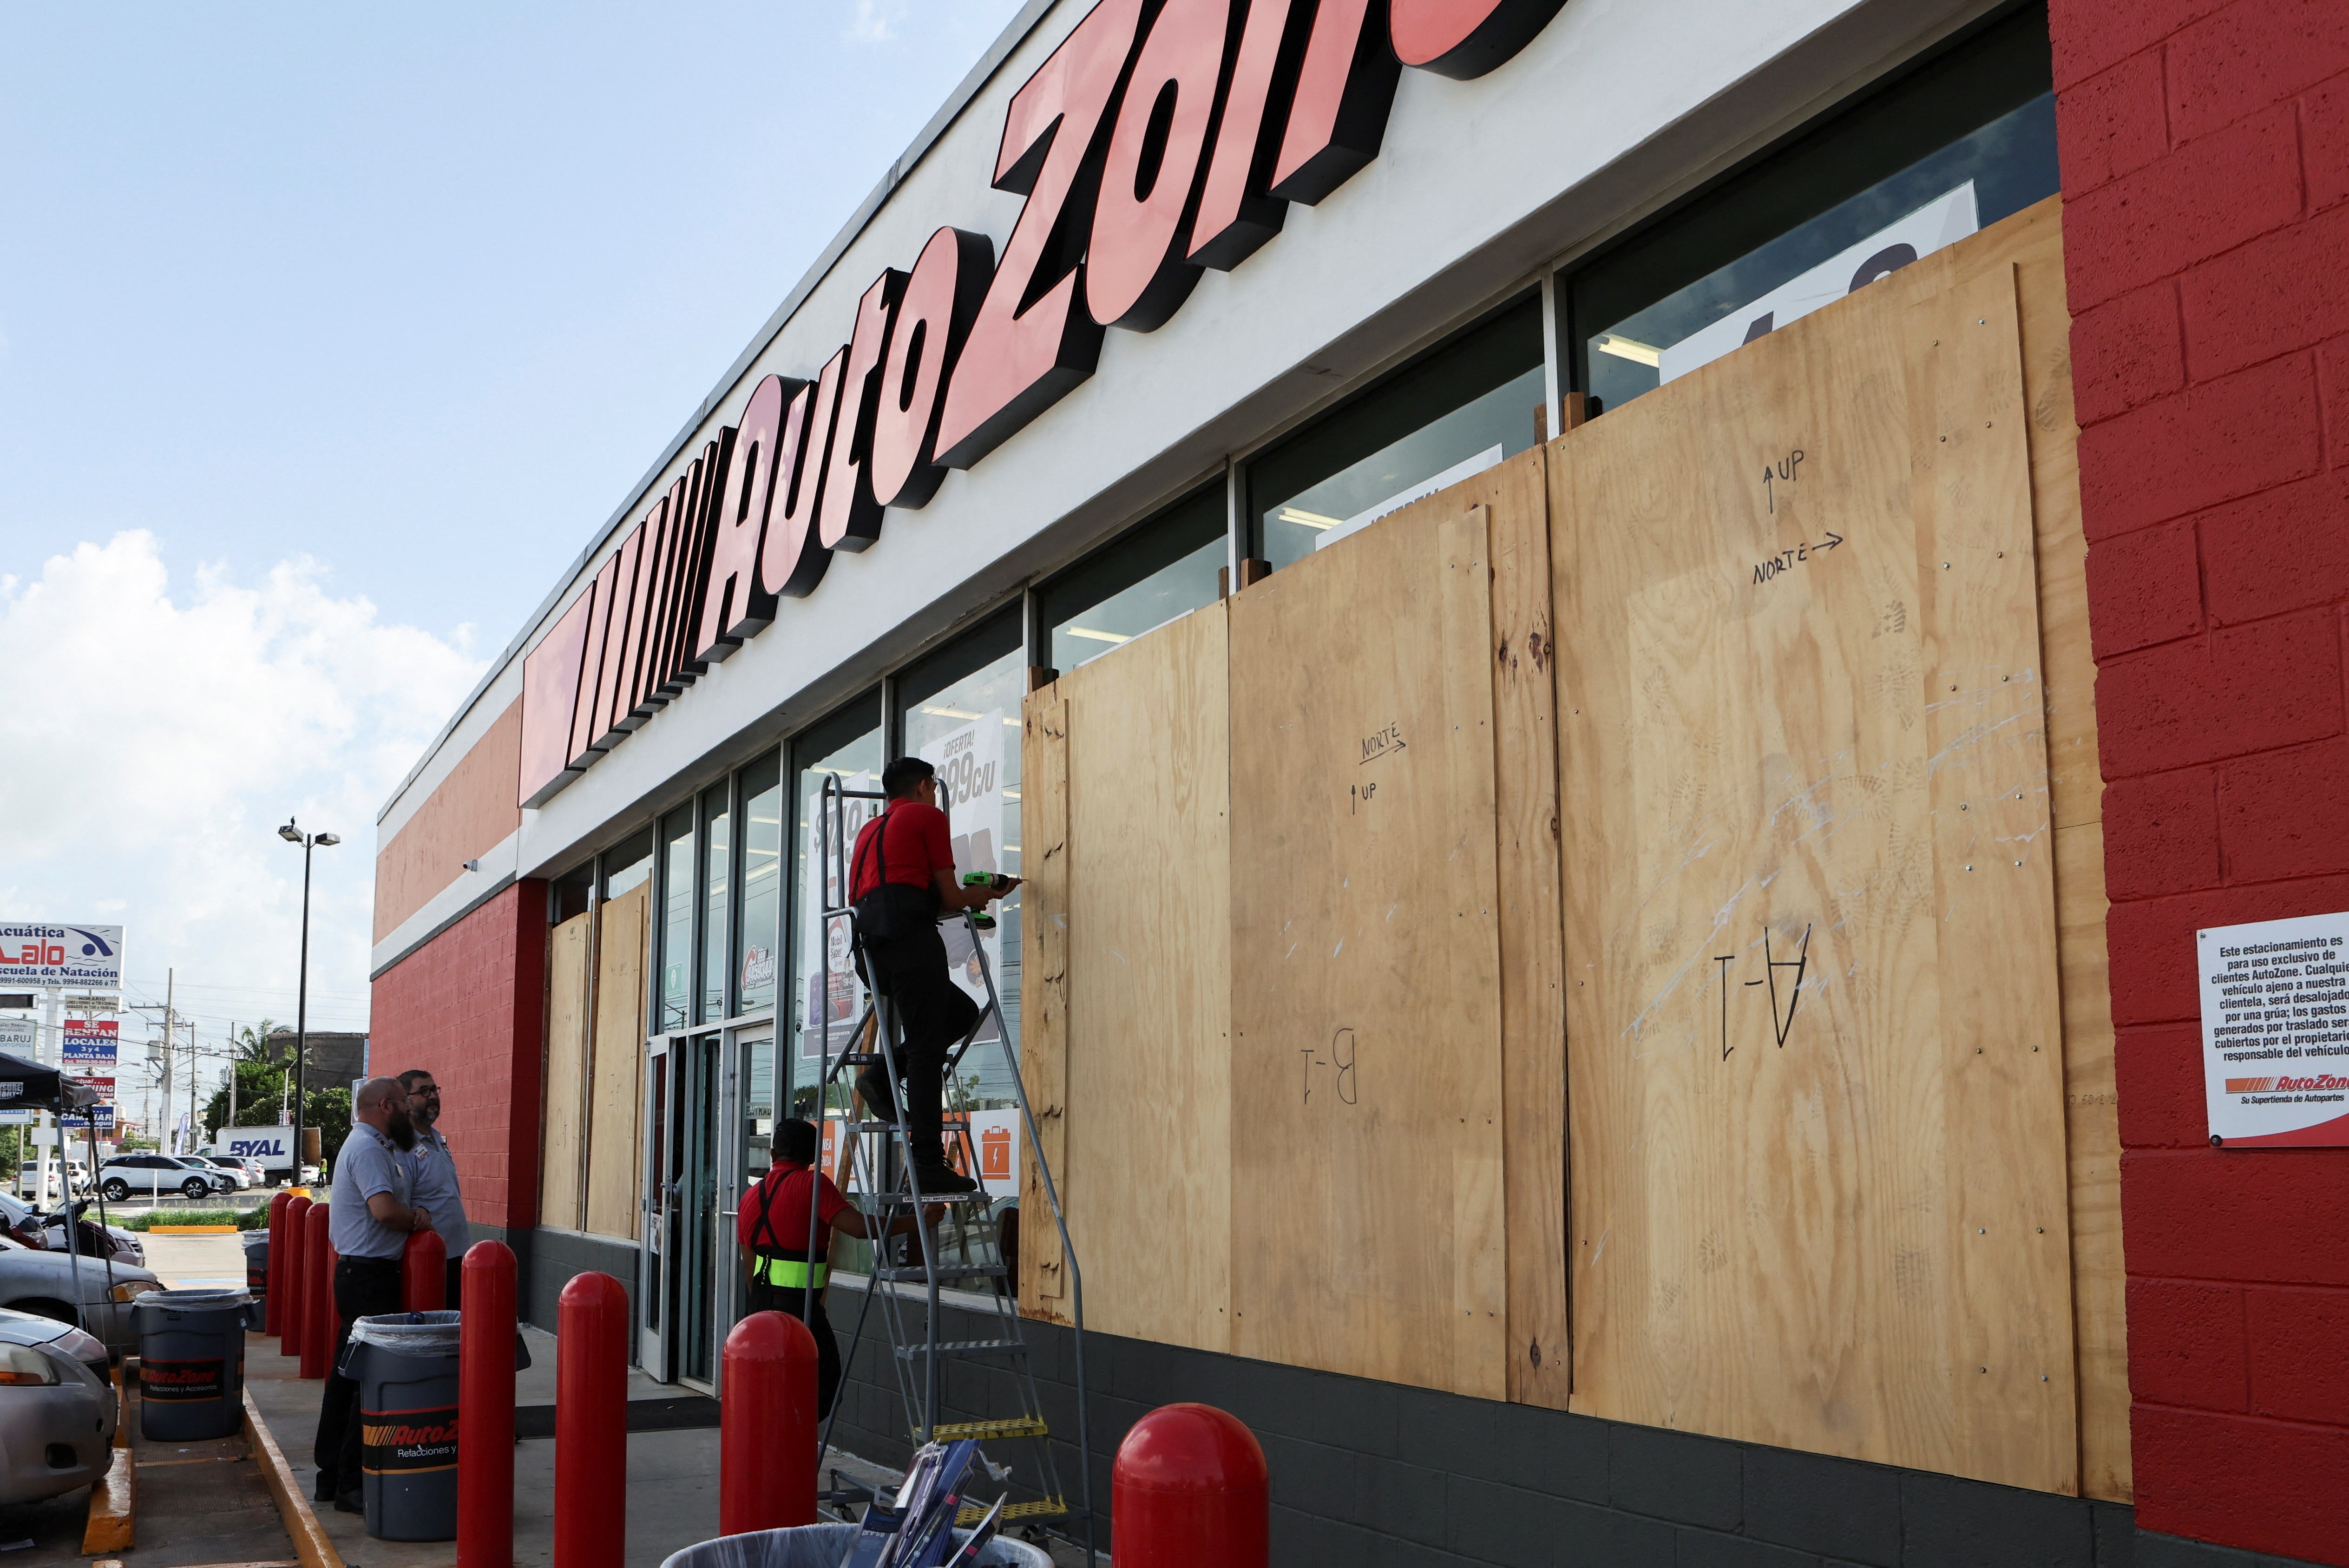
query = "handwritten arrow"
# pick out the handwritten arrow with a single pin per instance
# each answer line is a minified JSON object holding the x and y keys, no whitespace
{"x":1833,"y":538}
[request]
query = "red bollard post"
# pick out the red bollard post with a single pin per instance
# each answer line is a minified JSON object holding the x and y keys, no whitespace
{"x":276,"y":1260}
{"x":424,"y":1272}
{"x":296,"y":1280}
{"x":766,"y":1425}
{"x":485,"y":1409}
{"x":318,"y":1297}
{"x":1189,"y":1486}
{"x":591,"y":1422}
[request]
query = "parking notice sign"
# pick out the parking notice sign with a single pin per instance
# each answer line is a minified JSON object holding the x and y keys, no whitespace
{"x":2275,"y":1032}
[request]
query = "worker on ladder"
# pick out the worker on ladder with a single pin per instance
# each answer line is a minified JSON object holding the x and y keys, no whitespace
{"x":901,"y":878}
{"x":774,"y":1228}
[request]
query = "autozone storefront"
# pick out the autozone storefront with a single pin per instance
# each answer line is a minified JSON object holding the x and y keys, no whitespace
{"x":1634,"y":654}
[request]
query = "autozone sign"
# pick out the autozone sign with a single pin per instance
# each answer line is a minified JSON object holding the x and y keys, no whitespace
{"x":1161,"y":138}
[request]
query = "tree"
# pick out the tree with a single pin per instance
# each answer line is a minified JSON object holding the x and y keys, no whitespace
{"x":253,"y":1042}
{"x":261,"y":1088}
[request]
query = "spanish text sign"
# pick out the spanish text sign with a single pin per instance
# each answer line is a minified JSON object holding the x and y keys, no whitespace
{"x":89,"y":956}
{"x":2275,"y":1031}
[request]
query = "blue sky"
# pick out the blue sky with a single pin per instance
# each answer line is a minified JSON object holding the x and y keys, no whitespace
{"x":327,"y":337}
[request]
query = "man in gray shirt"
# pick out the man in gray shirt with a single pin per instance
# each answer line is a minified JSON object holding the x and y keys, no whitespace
{"x":369,"y":1225}
{"x":433,"y":1167}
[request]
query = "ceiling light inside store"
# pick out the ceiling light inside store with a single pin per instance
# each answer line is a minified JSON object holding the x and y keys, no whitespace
{"x":1630,"y":348}
{"x":949,"y":713}
{"x":1098,"y":636}
{"x":1307,"y":518}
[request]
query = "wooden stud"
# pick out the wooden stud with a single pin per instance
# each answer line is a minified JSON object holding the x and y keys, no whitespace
{"x":1044,"y":993}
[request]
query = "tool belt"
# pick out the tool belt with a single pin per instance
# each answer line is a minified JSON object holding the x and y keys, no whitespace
{"x":790,"y":1273}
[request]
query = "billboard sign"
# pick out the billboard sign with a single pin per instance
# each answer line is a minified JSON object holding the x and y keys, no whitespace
{"x":34,"y":954}
{"x":18,"y":1036}
{"x":89,"y":1045}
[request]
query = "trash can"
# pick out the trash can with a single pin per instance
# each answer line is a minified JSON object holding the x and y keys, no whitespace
{"x":256,"y":1262}
{"x":405,"y":1363}
{"x":823,"y":1546}
{"x":191,"y":1363}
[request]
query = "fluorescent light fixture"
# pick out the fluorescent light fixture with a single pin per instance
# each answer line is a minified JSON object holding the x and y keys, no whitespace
{"x":1307,"y":518}
{"x":1098,"y":636}
{"x":1630,"y":348}
{"x":949,"y":713}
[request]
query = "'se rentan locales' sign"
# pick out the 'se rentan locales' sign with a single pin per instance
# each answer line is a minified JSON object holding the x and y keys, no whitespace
{"x":1156,"y":140}
{"x":2275,"y":1031}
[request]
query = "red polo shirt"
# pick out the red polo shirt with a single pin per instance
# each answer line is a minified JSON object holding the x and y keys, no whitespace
{"x":783,"y":1194}
{"x":918,"y":845}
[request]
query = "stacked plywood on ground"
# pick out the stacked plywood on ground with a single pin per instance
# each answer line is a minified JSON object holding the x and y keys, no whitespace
{"x":1717,"y":783}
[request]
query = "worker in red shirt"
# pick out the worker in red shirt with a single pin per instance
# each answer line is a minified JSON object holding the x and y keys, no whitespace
{"x":772,"y":1226}
{"x":900,"y":879}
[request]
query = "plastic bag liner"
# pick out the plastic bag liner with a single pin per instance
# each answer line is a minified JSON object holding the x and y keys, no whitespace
{"x":409,"y":1332}
{"x":823,"y":1546}
{"x":195,"y":1300}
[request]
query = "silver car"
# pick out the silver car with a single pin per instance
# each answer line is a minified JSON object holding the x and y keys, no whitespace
{"x":45,"y":1283}
{"x":57,"y":1409}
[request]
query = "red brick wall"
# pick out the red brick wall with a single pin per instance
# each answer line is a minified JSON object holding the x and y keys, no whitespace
{"x":2206,"y":184}
{"x":470,"y":1006}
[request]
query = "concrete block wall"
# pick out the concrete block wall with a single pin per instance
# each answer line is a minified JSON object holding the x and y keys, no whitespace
{"x":470,"y":1006}
{"x":2205,"y":148}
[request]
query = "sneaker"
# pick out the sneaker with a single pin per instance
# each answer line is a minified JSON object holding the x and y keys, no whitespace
{"x":324,"y":1491}
{"x":937,"y":1180}
{"x":872,"y":1087}
{"x":351,"y":1503}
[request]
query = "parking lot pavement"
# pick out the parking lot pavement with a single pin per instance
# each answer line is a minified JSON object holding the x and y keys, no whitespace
{"x":197,"y":1262}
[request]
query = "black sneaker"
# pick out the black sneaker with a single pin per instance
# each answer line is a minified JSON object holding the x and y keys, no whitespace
{"x":324,"y":1491}
{"x":872,"y":1087}
{"x":351,"y":1503}
{"x":937,"y":1180}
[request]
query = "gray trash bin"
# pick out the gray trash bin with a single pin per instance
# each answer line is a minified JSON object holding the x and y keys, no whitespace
{"x":405,"y":1363}
{"x":190,"y":1364}
{"x":823,"y":1546}
{"x":257,"y":1262}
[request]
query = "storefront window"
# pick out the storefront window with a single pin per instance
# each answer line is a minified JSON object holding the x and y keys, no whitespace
{"x":717,"y":891}
{"x":628,"y":863}
{"x":1952,"y":148}
{"x":759,"y":935}
{"x":1160,"y":570}
{"x":1453,"y":412}
{"x":570,"y":892}
{"x":846,"y":746}
{"x":677,"y":918}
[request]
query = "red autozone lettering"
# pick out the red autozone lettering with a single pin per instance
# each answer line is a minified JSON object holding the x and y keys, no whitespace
{"x":174,"y":1382}
{"x":1206,"y":119}
{"x":396,"y":1440}
{"x":2322,"y":1080}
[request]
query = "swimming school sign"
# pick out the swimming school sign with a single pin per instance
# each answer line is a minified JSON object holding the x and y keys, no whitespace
{"x":1162,"y":137}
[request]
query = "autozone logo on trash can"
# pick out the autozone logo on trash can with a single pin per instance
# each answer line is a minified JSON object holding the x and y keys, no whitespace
{"x":179,"y":1382}
{"x":400,"y":1442}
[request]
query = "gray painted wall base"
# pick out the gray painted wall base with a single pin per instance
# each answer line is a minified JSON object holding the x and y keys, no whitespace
{"x":546,"y":1260}
{"x":1367,"y":1473}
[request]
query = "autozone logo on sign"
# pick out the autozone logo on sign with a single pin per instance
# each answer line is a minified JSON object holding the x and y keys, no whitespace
{"x":1161,"y":138}
{"x":86,"y":956}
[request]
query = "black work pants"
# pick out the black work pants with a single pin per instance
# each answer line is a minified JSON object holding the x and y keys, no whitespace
{"x":808,"y":1307}
{"x":933,"y":1014}
{"x":364,"y":1288}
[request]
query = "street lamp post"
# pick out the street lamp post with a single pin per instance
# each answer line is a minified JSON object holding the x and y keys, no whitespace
{"x":293,"y":835}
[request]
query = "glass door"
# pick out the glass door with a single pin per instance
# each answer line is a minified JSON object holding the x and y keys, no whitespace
{"x":656,"y":1304}
{"x":754,"y":1142}
{"x":694,"y":1252}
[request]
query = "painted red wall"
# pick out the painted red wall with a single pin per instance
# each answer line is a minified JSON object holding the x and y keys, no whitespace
{"x":2206,"y":184}
{"x":470,"y":1006}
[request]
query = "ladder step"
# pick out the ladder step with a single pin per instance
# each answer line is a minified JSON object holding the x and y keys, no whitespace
{"x":1020,"y":1427}
{"x":1047,"y":1508}
{"x":967,"y":1347}
{"x":946,"y":1271}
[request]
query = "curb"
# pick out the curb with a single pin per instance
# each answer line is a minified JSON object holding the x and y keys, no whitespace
{"x":310,"y":1543}
{"x":191,"y":1229}
{"x":114,"y":1497}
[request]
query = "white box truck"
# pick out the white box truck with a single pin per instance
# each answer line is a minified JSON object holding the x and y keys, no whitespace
{"x":272,"y":1145}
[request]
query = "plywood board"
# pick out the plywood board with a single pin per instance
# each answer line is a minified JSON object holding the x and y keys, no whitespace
{"x":1149,"y":988}
{"x":617,"y":1074}
{"x":570,"y":946}
{"x":1816,"y":1189}
{"x":1044,"y":994}
{"x":1367,"y":1229}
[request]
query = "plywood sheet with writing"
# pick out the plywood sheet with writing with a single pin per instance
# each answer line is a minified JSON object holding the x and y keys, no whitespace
{"x":1044,"y":967}
{"x":1817,"y":1190}
{"x":1149,"y":984}
{"x":569,"y":946}
{"x":1366,"y":1064}
{"x":617,"y":1075}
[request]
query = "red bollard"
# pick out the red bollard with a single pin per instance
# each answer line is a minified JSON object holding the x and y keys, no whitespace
{"x":1189,"y":1486}
{"x":424,"y":1272}
{"x":276,"y":1259}
{"x":591,"y":1422}
{"x":766,"y":1425}
{"x":485,"y":1409}
{"x":318,"y":1297}
{"x":296,"y":1280}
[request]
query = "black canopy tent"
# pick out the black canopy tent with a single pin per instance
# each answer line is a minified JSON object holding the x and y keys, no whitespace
{"x":29,"y":1086}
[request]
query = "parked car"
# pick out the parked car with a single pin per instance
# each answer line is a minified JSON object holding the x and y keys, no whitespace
{"x":49,"y":1283}
{"x":154,"y":1175}
{"x":28,"y":1178}
{"x":236,"y":1168}
{"x":57,"y":1409}
{"x":18,"y":1218}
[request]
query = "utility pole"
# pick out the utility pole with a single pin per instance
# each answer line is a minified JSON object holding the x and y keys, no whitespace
{"x":232,"y":1078}
{"x":170,"y":1022}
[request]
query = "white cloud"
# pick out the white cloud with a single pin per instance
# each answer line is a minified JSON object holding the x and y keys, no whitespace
{"x":875,"y":21}
{"x":152,"y":743}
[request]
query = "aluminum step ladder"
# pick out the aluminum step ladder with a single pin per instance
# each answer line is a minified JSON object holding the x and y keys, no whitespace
{"x":963,"y":1250}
